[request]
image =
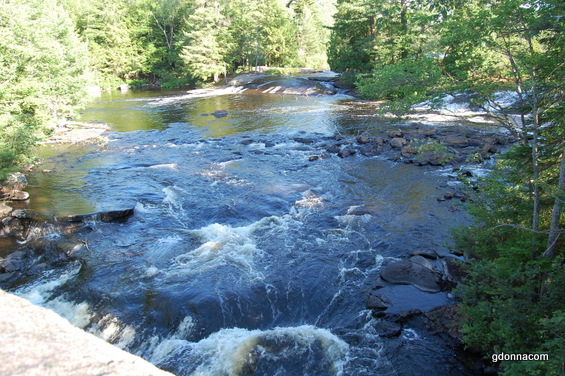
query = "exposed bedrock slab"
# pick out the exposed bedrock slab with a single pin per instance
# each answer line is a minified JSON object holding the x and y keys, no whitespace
{"x":38,"y":342}
{"x":416,"y":271}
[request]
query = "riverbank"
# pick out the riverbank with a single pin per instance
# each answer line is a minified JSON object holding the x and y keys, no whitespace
{"x":74,"y":132}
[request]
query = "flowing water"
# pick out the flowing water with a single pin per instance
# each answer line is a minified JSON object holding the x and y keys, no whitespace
{"x":243,"y":257}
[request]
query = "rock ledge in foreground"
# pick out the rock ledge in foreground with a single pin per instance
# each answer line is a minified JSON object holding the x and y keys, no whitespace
{"x":36,"y":341}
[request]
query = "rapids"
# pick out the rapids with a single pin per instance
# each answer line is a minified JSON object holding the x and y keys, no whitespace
{"x":243,"y":256}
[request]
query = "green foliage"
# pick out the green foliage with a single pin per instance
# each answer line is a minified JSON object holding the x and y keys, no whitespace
{"x":205,"y":48}
{"x":408,"y":79}
{"x":404,"y":83}
{"x":512,"y":299}
{"x":311,"y":33}
{"x":514,"y":306}
{"x":197,"y":41}
{"x":351,"y":40}
{"x":431,"y":150}
{"x":370,"y":34}
{"x":43,"y":66}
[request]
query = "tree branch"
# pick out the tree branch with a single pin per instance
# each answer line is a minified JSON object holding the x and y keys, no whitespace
{"x":520,"y":227}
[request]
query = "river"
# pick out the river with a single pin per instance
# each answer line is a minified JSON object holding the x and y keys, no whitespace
{"x":249,"y":252}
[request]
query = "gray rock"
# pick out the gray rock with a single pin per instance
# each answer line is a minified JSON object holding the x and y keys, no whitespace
{"x":388,"y":329}
{"x":346,"y":152}
{"x":14,"y":262}
{"x":5,"y":210}
{"x":18,"y":196}
{"x":247,"y":78}
{"x":404,"y":316}
{"x":378,"y":302}
{"x":427,"y":253}
{"x":453,"y":270}
{"x":407,"y":272}
{"x":426,"y":263}
{"x":220,"y":113}
{"x":398,"y":142}
{"x":15,"y":181}
{"x":37,"y":341}
{"x":21,"y":214}
{"x":363,"y":139}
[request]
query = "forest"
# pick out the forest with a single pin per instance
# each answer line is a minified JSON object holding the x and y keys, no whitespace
{"x":400,"y":52}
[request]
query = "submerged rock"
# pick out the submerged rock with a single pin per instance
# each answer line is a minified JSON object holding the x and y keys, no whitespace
{"x":220,"y":113}
{"x":108,"y":216}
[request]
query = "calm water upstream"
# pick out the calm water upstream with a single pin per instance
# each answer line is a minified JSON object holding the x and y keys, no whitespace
{"x":243,"y":257}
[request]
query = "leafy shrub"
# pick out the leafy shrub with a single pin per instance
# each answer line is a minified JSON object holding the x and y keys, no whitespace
{"x":431,"y":151}
{"x":406,"y":80}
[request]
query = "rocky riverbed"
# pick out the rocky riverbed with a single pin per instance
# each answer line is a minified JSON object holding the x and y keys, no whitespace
{"x":401,"y":293}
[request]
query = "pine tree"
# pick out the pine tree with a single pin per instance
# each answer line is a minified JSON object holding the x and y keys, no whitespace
{"x":204,"y":51}
{"x":43,"y":65}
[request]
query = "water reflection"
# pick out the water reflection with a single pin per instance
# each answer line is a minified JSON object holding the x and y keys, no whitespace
{"x":247,"y":112}
{"x":61,"y":190}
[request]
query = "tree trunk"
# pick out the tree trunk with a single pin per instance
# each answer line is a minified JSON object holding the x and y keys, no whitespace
{"x":554,"y":229}
{"x":535,"y":180}
{"x":404,"y":26}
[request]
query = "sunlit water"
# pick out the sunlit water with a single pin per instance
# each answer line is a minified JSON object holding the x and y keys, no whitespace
{"x":242,"y":257}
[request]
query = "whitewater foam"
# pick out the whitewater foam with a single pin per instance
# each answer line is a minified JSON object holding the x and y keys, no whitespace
{"x":290,"y":350}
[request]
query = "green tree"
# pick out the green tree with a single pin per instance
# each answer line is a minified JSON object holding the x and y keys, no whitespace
{"x":312,"y":35}
{"x":168,"y":22}
{"x":516,"y":280}
{"x":352,"y":38}
{"x":117,"y":33}
{"x":205,"y":48}
{"x":43,"y":66}
{"x":279,"y":35}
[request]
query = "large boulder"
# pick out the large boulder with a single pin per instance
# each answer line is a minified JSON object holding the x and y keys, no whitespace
{"x":14,"y":182}
{"x":416,"y":271}
{"x":36,"y":341}
{"x":17,"y":196}
{"x":398,"y":142}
